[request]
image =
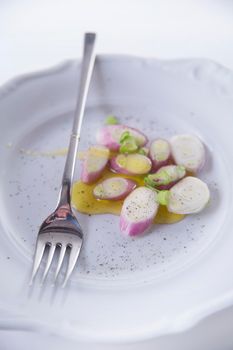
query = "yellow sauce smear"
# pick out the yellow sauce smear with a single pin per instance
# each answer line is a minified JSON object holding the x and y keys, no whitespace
{"x":84,"y":201}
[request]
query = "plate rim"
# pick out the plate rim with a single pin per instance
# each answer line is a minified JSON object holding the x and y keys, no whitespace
{"x":13,"y":83}
{"x":194,"y":318}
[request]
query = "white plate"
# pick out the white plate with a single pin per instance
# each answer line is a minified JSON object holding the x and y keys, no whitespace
{"x":123,"y":288}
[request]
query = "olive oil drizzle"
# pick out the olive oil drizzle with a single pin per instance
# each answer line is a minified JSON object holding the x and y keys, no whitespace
{"x":84,"y":201}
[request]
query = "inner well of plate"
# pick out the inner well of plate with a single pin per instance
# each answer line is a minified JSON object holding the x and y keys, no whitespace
{"x":33,"y":173}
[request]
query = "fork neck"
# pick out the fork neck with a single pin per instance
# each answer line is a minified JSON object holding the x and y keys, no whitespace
{"x":64,"y":198}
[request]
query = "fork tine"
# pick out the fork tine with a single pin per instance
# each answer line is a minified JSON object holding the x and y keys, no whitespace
{"x":74,"y":253}
{"x":60,"y":260}
{"x":40,"y":247}
{"x":49,"y":261}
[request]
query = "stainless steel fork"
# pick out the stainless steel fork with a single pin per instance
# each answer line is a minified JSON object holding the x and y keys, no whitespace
{"x":61,"y":230}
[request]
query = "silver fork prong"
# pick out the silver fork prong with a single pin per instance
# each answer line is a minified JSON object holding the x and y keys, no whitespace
{"x":40,"y":247}
{"x":74,"y":253}
{"x":49,"y":261}
{"x":60,"y":260}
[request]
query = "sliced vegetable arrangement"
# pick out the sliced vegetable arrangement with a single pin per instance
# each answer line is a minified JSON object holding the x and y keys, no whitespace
{"x":168,"y":169}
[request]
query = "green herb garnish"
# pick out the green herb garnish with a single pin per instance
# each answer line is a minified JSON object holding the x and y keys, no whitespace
{"x":163,"y":197}
{"x":128,"y":143}
{"x":149,"y":182}
{"x":124,"y":136}
{"x":142,"y":151}
{"x":159,"y":178}
{"x":111,"y":120}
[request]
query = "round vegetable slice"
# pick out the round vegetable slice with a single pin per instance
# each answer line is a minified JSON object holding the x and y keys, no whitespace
{"x":134,"y":164}
{"x":114,"y":188}
{"x":110,"y":136}
{"x":188,"y":196}
{"x":138,"y":211}
{"x":189,"y":151}
{"x":94,"y":163}
{"x":160,"y":153}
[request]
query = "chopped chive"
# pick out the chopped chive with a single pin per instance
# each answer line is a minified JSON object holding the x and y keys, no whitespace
{"x":128,"y":143}
{"x":124,"y":136}
{"x":160,"y":178}
{"x":111,"y":120}
{"x":142,"y":151}
{"x":148,"y":182}
{"x":163,"y":197}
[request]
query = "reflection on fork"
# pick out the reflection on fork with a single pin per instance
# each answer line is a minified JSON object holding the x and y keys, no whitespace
{"x":61,"y":229}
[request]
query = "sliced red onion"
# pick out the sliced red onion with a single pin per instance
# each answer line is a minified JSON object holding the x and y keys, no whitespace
{"x":94,"y":163}
{"x":188,"y":196}
{"x":131,"y":164}
{"x":160,"y":153}
{"x":114,"y":188}
{"x":110,"y":135}
{"x":189,"y":151}
{"x":138,"y":211}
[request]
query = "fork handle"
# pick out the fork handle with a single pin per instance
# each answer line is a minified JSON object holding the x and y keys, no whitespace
{"x":86,"y":72}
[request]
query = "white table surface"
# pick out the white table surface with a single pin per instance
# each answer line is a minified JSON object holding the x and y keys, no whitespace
{"x":38,"y":34}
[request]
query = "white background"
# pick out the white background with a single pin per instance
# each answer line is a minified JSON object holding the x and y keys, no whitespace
{"x":37,"y":34}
